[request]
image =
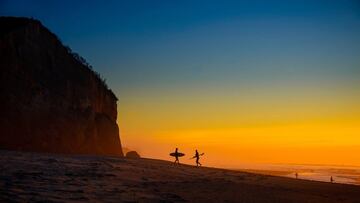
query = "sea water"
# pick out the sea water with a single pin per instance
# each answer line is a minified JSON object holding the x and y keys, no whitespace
{"x":340,"y":174}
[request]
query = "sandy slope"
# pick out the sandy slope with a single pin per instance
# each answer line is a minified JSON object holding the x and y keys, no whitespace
{"x":59,"y":178}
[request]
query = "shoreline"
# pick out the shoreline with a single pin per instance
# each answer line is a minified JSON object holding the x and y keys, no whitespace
{"x":26,"y":176}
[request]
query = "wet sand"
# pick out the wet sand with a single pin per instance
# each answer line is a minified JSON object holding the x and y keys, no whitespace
{"x":34,"y":177}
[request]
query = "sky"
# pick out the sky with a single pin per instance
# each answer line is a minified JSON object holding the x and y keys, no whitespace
{"x":245,"y":82}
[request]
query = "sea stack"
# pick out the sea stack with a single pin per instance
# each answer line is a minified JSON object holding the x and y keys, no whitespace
{"x":133,"y":155}
{"x":51,"y":98}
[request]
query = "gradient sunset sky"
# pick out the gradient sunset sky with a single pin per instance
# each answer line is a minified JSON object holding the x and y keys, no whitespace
{"x":243,"y":81}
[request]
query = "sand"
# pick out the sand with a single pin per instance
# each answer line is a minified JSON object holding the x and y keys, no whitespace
{"x":34,"y":177}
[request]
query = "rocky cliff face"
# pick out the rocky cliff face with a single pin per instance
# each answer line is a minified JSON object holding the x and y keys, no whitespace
{"x":50,"y":99}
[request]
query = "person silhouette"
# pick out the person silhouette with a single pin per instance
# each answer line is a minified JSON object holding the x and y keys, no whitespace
{"x":176,"y":156}
{"x":197,"y":156}
{"x":296,"y":175}
{"x":331,"y":179}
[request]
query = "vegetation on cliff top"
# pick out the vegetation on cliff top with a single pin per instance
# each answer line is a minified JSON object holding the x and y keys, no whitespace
{"x":10,"y":24}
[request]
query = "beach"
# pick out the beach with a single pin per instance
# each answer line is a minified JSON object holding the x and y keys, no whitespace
{"x":40,"y":177}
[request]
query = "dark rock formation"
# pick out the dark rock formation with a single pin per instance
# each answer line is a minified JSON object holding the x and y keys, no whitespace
{"x":132,"y":154}
{"x":51,"y":99}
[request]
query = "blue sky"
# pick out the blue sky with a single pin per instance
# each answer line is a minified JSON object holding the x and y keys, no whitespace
{"x":140,"y":44}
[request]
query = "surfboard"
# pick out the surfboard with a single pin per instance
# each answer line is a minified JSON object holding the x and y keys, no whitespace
{"x":199,"y":155}
{"x":179,"y":154}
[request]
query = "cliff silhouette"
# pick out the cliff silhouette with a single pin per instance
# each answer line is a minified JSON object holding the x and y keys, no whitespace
{"x":51,"y":98}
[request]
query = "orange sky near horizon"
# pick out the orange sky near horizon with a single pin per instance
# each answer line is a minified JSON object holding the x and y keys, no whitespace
{"x":266,"y":125}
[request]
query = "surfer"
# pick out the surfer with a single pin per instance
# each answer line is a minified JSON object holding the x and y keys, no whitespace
{"x":197,"y":156}
{"x":176,"y":155}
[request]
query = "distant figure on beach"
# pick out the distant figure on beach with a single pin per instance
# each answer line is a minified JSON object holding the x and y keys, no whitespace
{"x":331,"y":179}
{"x":177,"y":154}
{"x":197,"y":156}
{"x":296,"y":175}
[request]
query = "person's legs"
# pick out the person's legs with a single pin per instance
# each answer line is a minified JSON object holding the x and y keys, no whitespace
{"x":197,"y":162}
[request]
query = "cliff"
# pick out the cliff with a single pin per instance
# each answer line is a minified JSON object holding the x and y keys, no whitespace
{"x":51,"y":99}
